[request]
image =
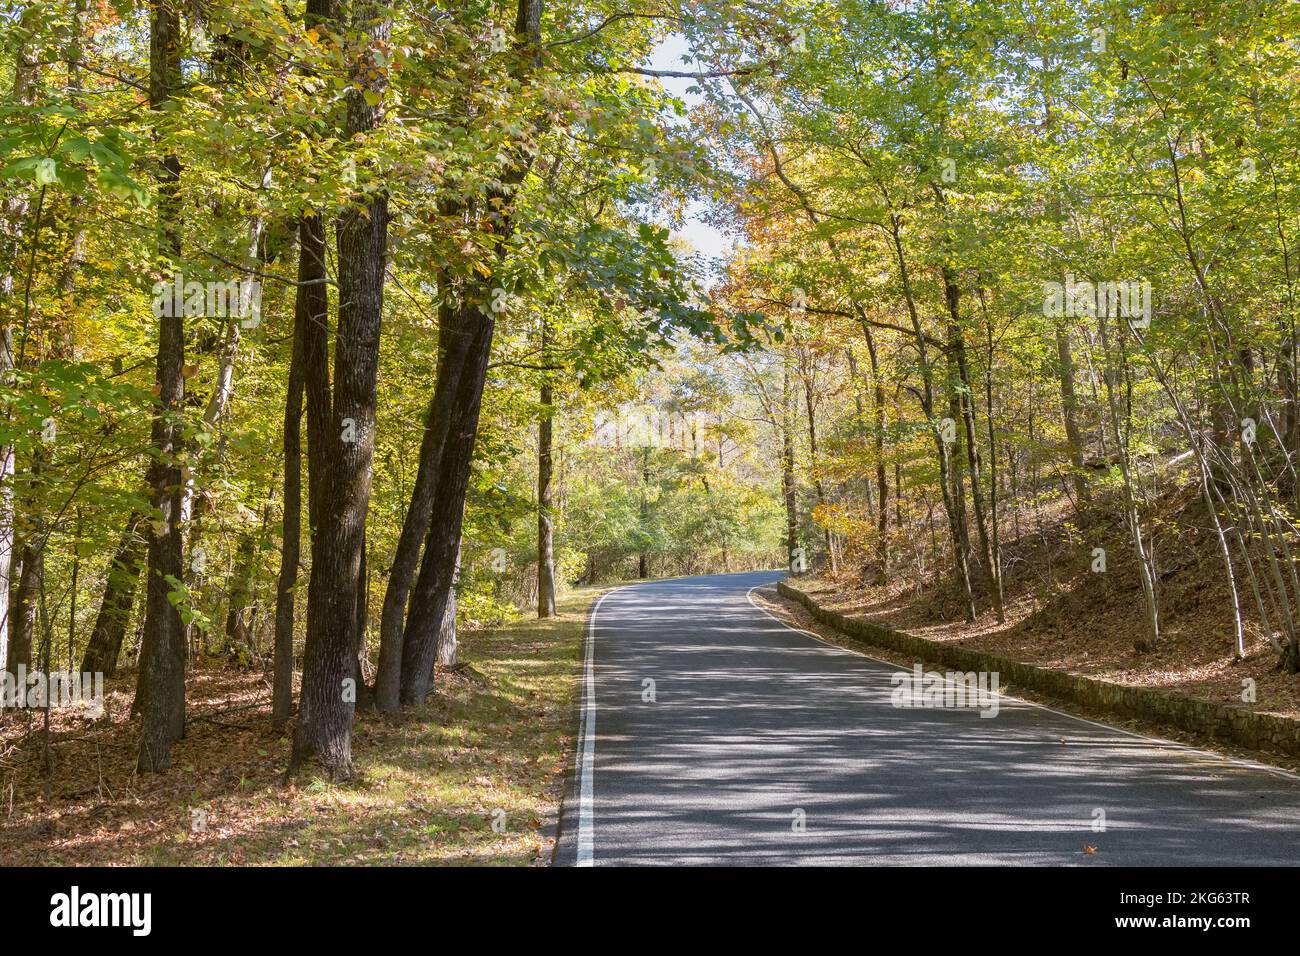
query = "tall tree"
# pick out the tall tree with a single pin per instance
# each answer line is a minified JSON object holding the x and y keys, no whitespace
{"x":13,"y":215}
{"x":343,"y":455}
{"x":473,"y":319}
{"x":161,"y":686}
{"x":415,"y":524}
{"x":545,"y":501}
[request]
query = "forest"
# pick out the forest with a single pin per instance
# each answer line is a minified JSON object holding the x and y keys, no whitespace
{"x":338,"y":335}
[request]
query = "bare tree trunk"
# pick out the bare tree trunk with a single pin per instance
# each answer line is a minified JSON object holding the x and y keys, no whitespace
{"x":464,"y":394}
{"x":995,"y":543}
{"x":882,"y":481}
{"x":161,"y":686}
{"x":860,"y":426}
{"x":447,"y":643}
{"x":453,"y":351}
{"x":291,"y":522}
{"x":643,"y":560}
{"x":365,"y":695}
{"x":956,"y":490}
{"x":954,"y":504}
{"x":814,"y":460}
{"x":966,"y":404}
{"x":31,"y":580}
{"x":789,"y":487}
{"x":545,"y":505}
{"x":238,"y":630}
{"x":6,"y":509}
{"x":12,"y":215}
{"x":1146,"y":563}
{"x":343,"y":455}
{"x":437,"y":569}
{"x":119,"y":596}
{"x":1070,"y":413}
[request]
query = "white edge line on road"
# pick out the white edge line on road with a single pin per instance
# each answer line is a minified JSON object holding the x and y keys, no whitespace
{"x":585,"y":752}
{"x":1248,"y":764}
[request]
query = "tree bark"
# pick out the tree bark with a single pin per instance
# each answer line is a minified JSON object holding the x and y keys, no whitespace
{"x":464,"y":391}
{"x":545,"y":504}
{"x":22,"y":631}
{"x":882,"y":479}
{"x":342,"y":453}
{"x":291,"y":524}
{"x":415,"y":526}
{"x":239,"y":632}
{"x":995,"y":541}
{"x":161,"y":686}
{"x":954,"y":505}
{"x":119,"y":596}
{"x":1121,"y":427}
{"x":447,"y":642}
{"x":12,"y":214}
{"x":957,"y":488}
{"x":964,"y":407}
{"x":437,"y":569}
{"x":806,"y":376}
{"x":6,"y":508}
{"x":1070,"y":413}
{"x":643,"y":559}
{"x":789,"y":487}
{"x":365,"y":695}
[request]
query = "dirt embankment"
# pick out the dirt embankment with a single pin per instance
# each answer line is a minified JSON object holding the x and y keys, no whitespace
{"x":1064,"y":615}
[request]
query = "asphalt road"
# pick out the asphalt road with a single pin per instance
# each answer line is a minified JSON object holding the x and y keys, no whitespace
{"x":764,"y":745}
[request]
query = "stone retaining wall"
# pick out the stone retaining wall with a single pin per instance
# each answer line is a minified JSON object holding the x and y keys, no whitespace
{"x":1207,"y":719}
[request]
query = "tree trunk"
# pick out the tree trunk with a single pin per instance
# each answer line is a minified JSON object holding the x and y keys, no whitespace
{"x":22,"y":631}
{"x":6,"y":509}
{"x":957,"y":494}
{"x":957,"y":359}
{"x":545,"y":521}
{"x":161,"y":686}
{"x":463,"y":394}
{"x":343,"y":456}
{"x":995,"y":541}
{"x":1121,"y":434}
{"x":954,"y":504}
{"x":453,"y":349}
{"x":882,"y":479}
{"x":1069,"y":411}
{"x":119,"y":596}
{"x":239,"y":633}
{"x":643,"y":561}
{"x":464,"y":390}
{"x":789,"y":488}
{"x":447,"y":642}
{"x":545,"y":505}
{"x":365,"y":695}
{"x":291,"y":522}
{"x":12,"y":214}
{"x":814,"y":461}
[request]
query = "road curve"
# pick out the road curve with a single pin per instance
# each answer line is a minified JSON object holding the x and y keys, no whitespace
{"x":764,"y":745}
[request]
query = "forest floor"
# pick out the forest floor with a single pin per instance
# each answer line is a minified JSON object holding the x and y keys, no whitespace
{"x":1061,"y":614}
{"x":492,"y":747}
